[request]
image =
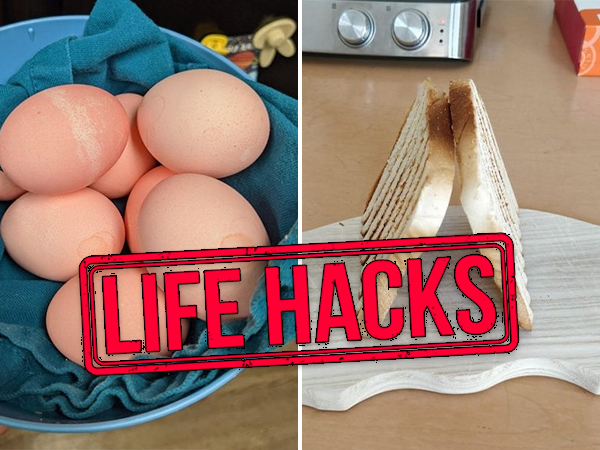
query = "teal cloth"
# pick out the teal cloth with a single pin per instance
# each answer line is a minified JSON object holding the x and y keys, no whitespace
{"x":124,"y":51}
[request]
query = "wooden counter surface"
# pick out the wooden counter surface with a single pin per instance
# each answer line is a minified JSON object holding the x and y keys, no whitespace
{"x":547,"y":123}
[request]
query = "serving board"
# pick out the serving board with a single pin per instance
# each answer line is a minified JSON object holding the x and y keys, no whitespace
{"x":562,"y":258}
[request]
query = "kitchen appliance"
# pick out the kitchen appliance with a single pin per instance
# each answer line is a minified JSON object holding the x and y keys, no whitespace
{"x":424,"y":29}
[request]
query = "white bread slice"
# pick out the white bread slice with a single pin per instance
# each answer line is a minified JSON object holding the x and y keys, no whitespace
{"x":412,"y":193}
{"x":487,"y":195}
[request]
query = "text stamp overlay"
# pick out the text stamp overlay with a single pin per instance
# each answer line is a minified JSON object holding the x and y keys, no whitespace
{"x":423,"y":325}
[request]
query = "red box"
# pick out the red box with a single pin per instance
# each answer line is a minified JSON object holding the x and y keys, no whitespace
{"x":579,"y":21}
{"x":302,"y":251}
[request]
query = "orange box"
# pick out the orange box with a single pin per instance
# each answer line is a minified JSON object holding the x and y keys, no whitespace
{"x":579,"y":21}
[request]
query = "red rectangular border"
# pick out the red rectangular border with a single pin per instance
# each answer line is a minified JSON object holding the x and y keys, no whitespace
{"x":300,"y":251}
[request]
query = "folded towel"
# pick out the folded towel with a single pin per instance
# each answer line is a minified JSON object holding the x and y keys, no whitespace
{"x":124,"y":51}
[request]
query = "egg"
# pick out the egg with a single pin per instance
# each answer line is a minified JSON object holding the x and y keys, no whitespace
{"x":194,"y":212}
{"x":63,"y":139}
{"x":49,"y":236}
{"x":204,"y":121}
{"x":135,"y":160}
{"x":64,"y":323}
{"x":8,"y":190}
{"x":135,"y":200}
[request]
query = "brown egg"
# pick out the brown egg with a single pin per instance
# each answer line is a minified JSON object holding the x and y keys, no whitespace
{"x":64,"y":324}
{"x":135,"y":200}
{"x":63,"y":139}
{"x":135,"y":160}
{"x":204,"y":121}
{"x":49,"y":236}
{"x":8,"y":190}
{"x":194,"y":212}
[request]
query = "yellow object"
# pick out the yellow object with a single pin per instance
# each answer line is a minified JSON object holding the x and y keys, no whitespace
{"x":274,"y":38}
{"x":216,"y":42}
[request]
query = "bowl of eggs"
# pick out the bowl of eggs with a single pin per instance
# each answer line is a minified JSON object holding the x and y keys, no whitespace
{"x":87,"y":172}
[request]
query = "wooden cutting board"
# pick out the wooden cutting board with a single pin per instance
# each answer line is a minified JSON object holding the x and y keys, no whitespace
{"x":562,"y":257}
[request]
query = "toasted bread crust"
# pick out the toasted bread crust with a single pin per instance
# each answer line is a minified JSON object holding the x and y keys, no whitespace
{"x":439,"y":121}
{"x":461,"y":108}
{"x":434,"y":197}
{"x":441,"y":138}
{"x":462,"y":113}
{"x":474,"y":188}
{"x":440,"y":168}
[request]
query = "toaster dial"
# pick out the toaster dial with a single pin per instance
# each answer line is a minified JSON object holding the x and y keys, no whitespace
{"x":410,"y":29}
{"x":355,"y":28}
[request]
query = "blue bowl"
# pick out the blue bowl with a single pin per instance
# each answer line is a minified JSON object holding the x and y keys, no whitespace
{"x":18,"y":43}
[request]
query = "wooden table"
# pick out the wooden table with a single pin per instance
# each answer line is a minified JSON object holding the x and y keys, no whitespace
{"x":547,"y":123}
{"x":256,"y":410}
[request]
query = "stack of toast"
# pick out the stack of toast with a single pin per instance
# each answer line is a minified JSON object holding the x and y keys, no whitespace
{"x":412,"y":194}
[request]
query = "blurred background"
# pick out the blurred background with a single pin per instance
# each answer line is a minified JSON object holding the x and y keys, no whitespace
{"x":191,"y":18}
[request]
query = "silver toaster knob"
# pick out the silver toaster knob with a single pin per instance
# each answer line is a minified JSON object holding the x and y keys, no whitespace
{"x":410,"y":29}
{"x":355,"y":27}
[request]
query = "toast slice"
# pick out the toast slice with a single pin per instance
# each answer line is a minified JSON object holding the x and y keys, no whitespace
{"x":487,"y":195}
{"x":411,"y":196}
